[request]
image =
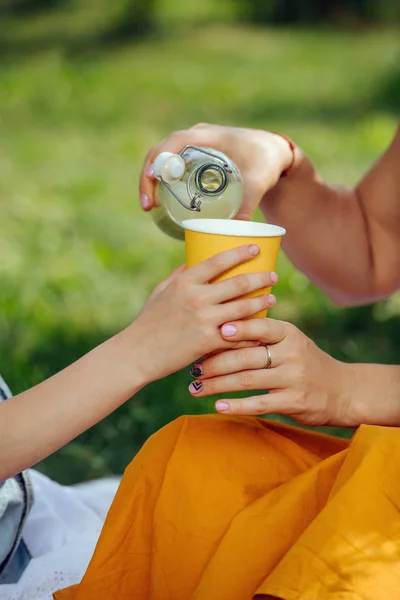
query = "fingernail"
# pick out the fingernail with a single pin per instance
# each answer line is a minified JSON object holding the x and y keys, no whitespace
{"x":196,"y":387}
{"x":196,"y":370}
{"x":271,"y":299}
{"x":254,"y":250}
{"x":222,"y":406}
{"x":274,"y":277}
{"x":145,"y":202}
{"x":228,"y":330}
{"x":150,"y":171}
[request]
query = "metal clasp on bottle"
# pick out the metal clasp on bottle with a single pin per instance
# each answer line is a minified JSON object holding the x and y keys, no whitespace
{"x":197,"y":179}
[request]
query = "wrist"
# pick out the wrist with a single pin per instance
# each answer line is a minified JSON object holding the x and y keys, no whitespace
{"x":293,"y":162}
{"x":353,"y":406}
{"x":348,"y":409}
{"x":286,"y":150}
{"x":130,"y":356}
{"x":373,"y":395}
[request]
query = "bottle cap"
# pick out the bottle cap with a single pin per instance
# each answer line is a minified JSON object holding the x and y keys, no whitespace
{"x":169,"y":167}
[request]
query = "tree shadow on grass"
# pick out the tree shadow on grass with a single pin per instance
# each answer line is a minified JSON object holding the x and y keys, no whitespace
{"x":384,"y":98}
{"x":58,"y":30}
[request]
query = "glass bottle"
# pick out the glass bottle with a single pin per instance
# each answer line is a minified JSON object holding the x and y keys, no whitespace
{"x":197,"y":182}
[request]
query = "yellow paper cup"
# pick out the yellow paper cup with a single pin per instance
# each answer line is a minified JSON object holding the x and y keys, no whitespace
{"x":205,"y":238}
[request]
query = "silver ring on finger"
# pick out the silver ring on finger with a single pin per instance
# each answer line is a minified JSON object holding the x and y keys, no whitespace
{"x":269,"y":358}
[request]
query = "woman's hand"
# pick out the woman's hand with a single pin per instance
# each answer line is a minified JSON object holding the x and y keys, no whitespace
{"x":180,"y":322}
{"x":260,"y":156}
{"x":303,"y":381}
{"x":182,"y":318}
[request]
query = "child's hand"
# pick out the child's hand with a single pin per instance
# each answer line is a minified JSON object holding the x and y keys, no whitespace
{"x":179,"y":323}
{"x":260,"y":156}
{"x":181,"y":320}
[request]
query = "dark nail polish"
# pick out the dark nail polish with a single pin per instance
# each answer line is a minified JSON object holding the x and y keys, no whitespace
{"x":196,"y":387}
{"x":196,"y":370}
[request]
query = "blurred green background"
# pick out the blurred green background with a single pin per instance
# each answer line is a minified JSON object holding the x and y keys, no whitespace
{"x":85,"y":89}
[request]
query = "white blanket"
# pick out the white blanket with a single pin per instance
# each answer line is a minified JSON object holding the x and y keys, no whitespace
{"x":61,"y":533}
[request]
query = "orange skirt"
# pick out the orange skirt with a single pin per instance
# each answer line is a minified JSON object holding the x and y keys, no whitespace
{"x":230,"y":508}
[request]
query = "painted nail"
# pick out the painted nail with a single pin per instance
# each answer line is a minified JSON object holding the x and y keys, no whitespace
{"x":196,"y":370}
{"x":150,"y":171}
{"x":228,"y":330}
{"x":222,"y":406}
{"x":254,"y":250}
{"x":144,"y":200}
{"x":274,"y":277}
{"x":271,"y":299}
{"x":196,"y":387}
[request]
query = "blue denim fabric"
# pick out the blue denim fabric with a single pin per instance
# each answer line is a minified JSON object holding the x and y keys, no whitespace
{"x":17,"y":565}
{"x":16,"y":497}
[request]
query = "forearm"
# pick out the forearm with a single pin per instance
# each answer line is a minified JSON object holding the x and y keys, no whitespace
{"x":181,"y":321}
{"x":316,"y":218}
{"x":39,"y":421}
{"x":374,"y":395}
{"x":345,"y":240}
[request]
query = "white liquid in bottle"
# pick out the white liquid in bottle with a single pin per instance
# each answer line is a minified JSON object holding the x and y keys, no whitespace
{"x":196,"y":183}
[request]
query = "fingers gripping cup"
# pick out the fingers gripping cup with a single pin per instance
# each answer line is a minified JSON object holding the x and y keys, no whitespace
{"x":205,"y":238}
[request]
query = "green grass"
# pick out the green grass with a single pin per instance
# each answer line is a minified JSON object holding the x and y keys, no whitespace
{"x":79,"y":258}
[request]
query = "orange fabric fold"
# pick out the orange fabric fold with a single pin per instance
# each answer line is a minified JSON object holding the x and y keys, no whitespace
{"x":231,"y":508}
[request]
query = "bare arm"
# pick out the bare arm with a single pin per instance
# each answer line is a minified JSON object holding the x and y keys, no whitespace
{"x":180,"y":322}
{"x":374,"y":395}
{"x":347,"y":241}
{"x":39,"y":421}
